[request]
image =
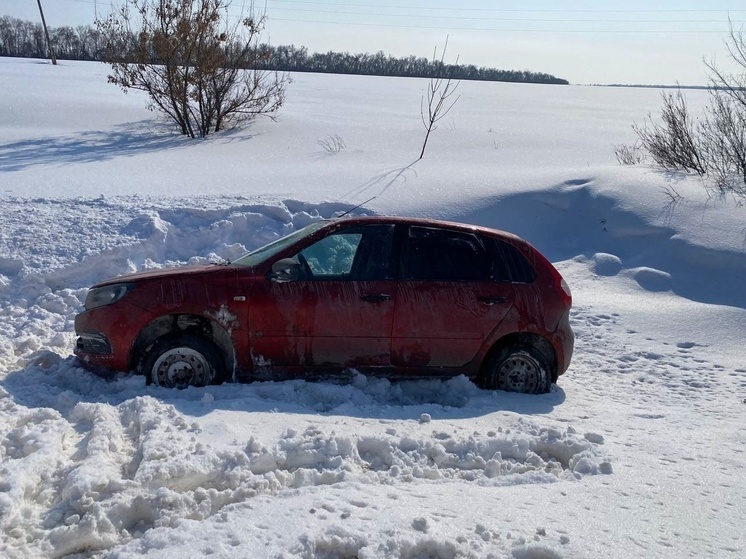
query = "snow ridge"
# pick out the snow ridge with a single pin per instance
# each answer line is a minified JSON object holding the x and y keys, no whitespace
{"x":84,"y":476}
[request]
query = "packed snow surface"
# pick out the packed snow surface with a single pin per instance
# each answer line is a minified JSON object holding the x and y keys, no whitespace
{"x":638,"y":451}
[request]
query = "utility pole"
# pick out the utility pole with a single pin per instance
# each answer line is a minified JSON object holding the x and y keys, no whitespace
{"x":46,"y":33}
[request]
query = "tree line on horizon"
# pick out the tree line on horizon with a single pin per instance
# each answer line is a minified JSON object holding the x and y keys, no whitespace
{"x":25,"y":39}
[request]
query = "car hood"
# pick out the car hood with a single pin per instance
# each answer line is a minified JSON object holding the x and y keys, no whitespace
{"x":165,"y":273}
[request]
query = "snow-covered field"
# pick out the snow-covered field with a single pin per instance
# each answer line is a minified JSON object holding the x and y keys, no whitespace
{"x":639,"y":451}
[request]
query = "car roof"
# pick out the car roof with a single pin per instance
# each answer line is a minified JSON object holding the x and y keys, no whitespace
{"x":424,"y":222}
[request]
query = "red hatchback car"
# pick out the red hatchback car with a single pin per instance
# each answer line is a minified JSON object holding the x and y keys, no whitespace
{"x":382,"y":295}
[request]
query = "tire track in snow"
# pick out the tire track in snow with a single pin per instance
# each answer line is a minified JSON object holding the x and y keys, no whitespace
{"x":136,"y":465}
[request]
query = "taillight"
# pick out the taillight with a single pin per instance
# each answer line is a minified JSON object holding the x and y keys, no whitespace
{"x":561,"y":285}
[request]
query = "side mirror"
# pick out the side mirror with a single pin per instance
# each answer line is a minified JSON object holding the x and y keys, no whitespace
{"x":287,"y":269}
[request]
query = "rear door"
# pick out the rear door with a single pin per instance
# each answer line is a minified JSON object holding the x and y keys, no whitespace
{"x":338,"y":313}
{"x":447,"y":302}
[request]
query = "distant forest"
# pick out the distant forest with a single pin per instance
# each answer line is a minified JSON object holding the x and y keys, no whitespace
{"x":21,"y":38}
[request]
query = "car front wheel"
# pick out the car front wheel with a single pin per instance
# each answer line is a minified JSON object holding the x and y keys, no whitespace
{"x":518,"y":368}
{"x":181,"y":360}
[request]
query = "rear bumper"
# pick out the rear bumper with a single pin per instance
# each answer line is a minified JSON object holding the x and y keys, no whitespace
{"x":564,"y":343}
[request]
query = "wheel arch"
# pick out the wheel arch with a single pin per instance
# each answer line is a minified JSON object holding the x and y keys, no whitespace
{"x":538,"y":341}
{"x":188,"y":323}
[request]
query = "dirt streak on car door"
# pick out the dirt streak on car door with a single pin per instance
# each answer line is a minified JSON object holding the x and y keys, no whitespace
{"x":310,"y":323}
{"x":444,"y":323}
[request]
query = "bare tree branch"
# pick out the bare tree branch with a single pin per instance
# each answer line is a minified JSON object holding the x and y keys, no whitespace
{"x":439,"y":93}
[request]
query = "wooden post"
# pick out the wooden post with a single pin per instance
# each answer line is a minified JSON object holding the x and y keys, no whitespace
{"x":46,"y":33}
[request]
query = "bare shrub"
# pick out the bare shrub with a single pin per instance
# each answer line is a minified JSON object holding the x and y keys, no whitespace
{"x":672,"y":194}
{"x":332,"y":144}
{"x":675,"y":143}
{"x":715,"y":145}
{"x":629,"y":155}
{"x":197,"y":68}
{"x":724,"y":138}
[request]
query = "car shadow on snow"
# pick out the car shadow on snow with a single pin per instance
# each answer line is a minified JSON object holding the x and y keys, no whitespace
{"x":61,"y":383}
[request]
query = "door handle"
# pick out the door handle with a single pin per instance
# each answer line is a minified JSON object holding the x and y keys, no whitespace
{"x":375,"y":297}
{"x":491,"y":300}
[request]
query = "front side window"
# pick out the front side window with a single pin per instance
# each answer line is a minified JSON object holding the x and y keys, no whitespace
{"x":360,"y":253}
{"x":333,"y":255}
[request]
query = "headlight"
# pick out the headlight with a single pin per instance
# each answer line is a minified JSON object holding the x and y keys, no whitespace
{"x":100,"y":296}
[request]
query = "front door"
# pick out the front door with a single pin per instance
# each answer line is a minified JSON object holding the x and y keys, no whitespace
{"x":338,"y":313}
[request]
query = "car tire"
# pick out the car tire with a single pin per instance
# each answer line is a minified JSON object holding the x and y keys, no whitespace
{"x":181,"y":360}
{"x":518,"y":368}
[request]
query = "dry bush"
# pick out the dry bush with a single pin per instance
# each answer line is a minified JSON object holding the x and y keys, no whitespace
{"x":197,"y":68}
{"x":724,"y":139}
{"x":629,"y":155}
{"x":332,"y":144}
{"x":675,"y":142}
{"x":715,"y":145}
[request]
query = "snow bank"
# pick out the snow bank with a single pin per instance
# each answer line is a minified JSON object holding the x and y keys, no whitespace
{"x":90,"y":464}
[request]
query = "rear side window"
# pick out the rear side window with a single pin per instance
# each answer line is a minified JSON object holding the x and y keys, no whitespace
{"x":508,"y":263}
{"x":439,"y":254}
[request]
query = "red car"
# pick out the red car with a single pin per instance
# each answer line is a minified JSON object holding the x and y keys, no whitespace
{"x":382,"y":295}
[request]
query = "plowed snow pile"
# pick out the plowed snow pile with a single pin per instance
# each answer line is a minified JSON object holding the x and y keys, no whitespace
{"x":638,"y":451}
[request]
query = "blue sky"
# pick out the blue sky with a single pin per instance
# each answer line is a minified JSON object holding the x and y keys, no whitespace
{"x":648,"y":42}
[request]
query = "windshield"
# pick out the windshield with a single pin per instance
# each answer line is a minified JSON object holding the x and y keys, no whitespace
{"x":275,"y":247}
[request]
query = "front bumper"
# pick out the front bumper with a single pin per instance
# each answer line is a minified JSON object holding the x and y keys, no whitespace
{"x":94,"y":343}
{"x":106,"y":335}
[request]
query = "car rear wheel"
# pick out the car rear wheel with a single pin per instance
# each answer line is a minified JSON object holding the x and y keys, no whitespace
{"x":518,"y":368}
{"x":182,"y":360}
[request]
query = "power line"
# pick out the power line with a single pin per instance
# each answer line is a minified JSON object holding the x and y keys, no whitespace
{"x":452,"y":18}
{"x":503,"y":10}
{"x":532,"y":19}
{"x":501,"y":30}
{"x":495,"y":10}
